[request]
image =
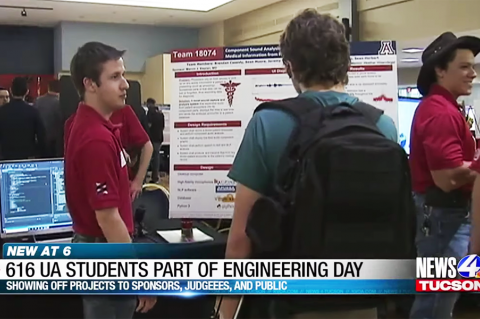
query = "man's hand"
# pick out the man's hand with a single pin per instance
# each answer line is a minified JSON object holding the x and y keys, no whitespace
{"x":135,"y":189}
{"x":145,"y":303}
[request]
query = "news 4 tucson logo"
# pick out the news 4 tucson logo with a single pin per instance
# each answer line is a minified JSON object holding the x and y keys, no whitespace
{"x":469,"y":267}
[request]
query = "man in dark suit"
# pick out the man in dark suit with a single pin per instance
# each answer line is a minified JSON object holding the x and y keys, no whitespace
{"x":22,"y":134}
{"x":48,"y":106}
{"x":156,"y":123}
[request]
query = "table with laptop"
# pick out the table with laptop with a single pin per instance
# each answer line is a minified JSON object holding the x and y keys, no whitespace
{"x":33,"y":210}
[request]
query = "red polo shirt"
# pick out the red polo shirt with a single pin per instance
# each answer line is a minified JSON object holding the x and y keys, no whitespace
{"x":132,"y":134}
{"x":96,"y":175}
{"x":440,"y":138}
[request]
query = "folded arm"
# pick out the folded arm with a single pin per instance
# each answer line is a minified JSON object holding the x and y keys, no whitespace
{"x":443,"y":139}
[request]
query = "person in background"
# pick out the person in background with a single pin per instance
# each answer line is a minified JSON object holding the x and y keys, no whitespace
{"x":4,"y":99}
{"x":141,"y":114}
{"x":441,"y":151}
{"x":96,"y":176}
{"x":22,"y":134}
{"x":156,"y":123}
{"x":4,"y":96}
{"x":318,"y":72}
{"x":48,"y":106}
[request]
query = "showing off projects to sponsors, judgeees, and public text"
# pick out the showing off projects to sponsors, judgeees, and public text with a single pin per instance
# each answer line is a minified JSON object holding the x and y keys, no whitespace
{"x":146,"y":269}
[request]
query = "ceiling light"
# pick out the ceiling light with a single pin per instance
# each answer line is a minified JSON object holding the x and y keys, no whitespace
{"x":194,"y":5}
{"x":410,"y":60}
{"x":412,"y":50}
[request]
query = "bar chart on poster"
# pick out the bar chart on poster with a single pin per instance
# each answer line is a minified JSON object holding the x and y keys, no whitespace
{"x":214,"y":94}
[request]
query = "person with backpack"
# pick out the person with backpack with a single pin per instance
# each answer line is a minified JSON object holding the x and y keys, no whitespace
{"x":318,"y":172}
{"x":441,"y":151}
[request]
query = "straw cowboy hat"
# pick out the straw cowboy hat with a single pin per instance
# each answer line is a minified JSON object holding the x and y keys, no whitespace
{"x":436,"y":51}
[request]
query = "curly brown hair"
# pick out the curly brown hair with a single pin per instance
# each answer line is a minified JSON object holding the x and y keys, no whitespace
{"x":317,"y":49}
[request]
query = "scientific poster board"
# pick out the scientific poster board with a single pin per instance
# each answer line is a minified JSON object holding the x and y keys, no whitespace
{"x":214,"y":94}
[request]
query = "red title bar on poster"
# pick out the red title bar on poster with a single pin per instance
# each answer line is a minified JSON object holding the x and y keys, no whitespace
{"x":265,"y":71}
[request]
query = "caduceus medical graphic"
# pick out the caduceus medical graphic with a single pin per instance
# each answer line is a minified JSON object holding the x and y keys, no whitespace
{"x":230,"y":88}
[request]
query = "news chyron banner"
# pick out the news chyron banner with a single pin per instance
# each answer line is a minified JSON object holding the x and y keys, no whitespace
{"x":142,"y":269}
{"x":446,"y":275}
{"x":214,"y":94}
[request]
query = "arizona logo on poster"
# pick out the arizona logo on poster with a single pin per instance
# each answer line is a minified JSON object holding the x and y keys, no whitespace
{"x":214,"y":94}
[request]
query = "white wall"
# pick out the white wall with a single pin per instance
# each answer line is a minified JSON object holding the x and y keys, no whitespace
{"x":408,"y":76}
{"x":265,"y":25}
{"x":140,"y":41}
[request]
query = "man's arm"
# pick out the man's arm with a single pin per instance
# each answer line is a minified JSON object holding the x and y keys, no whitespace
{"x":138,"y":138}
{"x":442,"y":141}
{"x":112,"y":225}
{"x":98,"y":162}
{"x":238,"y":244}
{"x":386,"y":125}
{"x":250,"y":171}
{"x":145,"y":156}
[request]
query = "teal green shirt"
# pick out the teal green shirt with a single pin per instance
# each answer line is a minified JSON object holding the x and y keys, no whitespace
{"x":267,"y":135}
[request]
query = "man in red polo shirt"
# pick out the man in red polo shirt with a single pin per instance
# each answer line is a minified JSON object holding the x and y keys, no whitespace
{"x":442,"y":149}
{"x":96,"y":176}
{"x":135,"y":141}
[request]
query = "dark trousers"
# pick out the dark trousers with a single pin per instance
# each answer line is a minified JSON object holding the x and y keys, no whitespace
{"x":156,"y":161}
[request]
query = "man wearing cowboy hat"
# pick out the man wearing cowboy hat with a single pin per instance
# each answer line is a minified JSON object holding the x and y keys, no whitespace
{"x":442,"y":148}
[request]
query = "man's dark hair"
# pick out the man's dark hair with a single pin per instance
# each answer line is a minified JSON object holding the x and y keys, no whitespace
{"x":151,"y":101}
{"x":317,"y":49}
{"x":54,"y":86}
{"x":3,"y":89}
{"x":443,"y":63}
{"x":88,"y":63}
{"x":19,"y":86}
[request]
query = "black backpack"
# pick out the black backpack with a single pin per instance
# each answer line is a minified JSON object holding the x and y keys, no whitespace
{"x":342,"y":191}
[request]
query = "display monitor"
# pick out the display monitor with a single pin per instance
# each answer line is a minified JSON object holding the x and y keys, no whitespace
{"x":406,"y":111}
{"x":32,"y":198}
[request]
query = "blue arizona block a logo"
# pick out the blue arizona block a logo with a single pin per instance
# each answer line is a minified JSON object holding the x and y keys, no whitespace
{"x":386,"y":48}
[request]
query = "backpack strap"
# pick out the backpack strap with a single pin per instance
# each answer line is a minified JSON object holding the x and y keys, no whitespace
{"x":308,"y":115}
{"x":299,"y":107}
{"x":296,"y":107}
{"x":372,"y":113}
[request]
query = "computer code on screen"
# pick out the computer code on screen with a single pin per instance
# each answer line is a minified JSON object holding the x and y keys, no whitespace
{"x":33,"y":195}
